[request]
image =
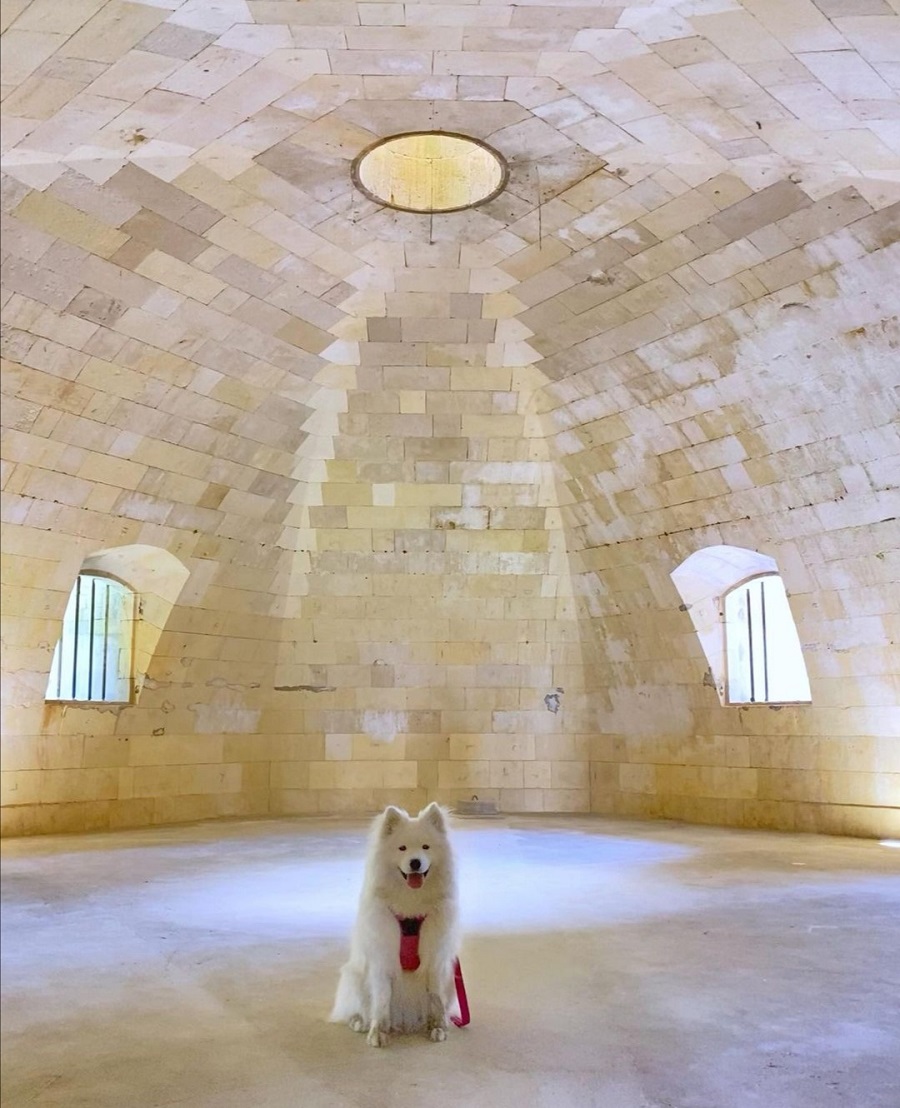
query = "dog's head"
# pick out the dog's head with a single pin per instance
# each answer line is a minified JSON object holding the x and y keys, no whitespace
{"x":416,"y":847}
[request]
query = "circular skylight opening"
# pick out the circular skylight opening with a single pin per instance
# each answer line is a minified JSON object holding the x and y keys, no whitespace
{"x":430,"y":171}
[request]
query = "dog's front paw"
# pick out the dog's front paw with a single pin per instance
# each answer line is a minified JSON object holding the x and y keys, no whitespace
{"x":376,"y":1037}
{"x":357,"y":1023}
{"x":438,"y":1034}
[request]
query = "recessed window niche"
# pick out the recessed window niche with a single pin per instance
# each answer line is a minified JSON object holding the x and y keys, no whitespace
{"x":430,"y":171}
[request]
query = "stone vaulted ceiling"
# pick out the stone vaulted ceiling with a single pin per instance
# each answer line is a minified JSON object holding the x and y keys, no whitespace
{"x":178,"y":175}
{"x":431,"y":473}
{"x":193,"y":285}
{"x":193,"y":282}
{"x":187,"y":261}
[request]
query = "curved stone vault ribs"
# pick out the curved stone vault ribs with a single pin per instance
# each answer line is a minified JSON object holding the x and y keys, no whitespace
{"x":427,"y":470}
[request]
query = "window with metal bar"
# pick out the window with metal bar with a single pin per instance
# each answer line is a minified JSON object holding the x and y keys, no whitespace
{"x":764,"y":659}
{"x":93,"y":658}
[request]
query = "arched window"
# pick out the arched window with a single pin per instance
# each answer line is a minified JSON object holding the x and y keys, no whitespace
{"x":93,"y":659}
{"x":764,"y":660}
{"x":740,"y":611}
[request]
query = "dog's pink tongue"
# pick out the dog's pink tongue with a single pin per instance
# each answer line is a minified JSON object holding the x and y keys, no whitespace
{"x":414,"y":880}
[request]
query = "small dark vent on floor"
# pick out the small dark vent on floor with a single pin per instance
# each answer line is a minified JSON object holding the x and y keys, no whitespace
{"x":476,"y":807}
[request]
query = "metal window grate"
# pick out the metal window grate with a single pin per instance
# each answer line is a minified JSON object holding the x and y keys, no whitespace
{"x":93,"y":658}
{"x":757,"y":646}
{"x":764,"y":658}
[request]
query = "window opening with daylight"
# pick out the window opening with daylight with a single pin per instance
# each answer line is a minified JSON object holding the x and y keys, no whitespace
{"x":763,"y":653}
{"x":430,"y":171}
{"x":93,"y":658}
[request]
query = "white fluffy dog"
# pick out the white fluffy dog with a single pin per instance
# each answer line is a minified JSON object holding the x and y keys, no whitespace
{"x":408,"y":898}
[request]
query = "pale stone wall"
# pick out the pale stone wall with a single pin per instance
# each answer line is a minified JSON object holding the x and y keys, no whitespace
{"x":431,"y":612}
{"x":112,"y":439}
{"x":423,"y":473}
{"x":774,"y":427}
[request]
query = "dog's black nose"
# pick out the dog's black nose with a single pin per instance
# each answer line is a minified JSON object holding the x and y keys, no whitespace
{"x":415,"y":865}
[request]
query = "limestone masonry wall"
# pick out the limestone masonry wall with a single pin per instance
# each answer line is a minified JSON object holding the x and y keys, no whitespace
{"x":401,"y":494}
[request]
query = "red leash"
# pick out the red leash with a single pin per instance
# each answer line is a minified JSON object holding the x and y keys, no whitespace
{"x":463,"y":1018}
{"x":409,"y":960}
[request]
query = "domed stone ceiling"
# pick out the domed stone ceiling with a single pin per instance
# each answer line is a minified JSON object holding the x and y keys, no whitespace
{"x":427,"y":470}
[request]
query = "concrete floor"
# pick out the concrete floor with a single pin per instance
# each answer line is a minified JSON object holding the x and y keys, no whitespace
{"x":609,"y":964}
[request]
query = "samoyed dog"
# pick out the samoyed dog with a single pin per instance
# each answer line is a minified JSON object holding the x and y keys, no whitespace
{"x":403,"y":951}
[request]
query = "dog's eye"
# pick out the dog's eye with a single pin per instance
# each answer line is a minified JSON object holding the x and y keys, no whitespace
{"x":425,"y":846}
{"x":401,"y":848}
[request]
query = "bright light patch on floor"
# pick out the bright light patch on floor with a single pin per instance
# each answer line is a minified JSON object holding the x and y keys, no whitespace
{"x":890,"y":842}
{"x":430,"y":172}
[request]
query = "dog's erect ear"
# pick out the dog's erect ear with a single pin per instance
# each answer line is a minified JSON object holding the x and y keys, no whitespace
{"x":391,"y":818}
{"x":434,"y":814}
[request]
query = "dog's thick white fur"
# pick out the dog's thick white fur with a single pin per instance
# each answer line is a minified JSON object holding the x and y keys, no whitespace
{"x":409,"y":872}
